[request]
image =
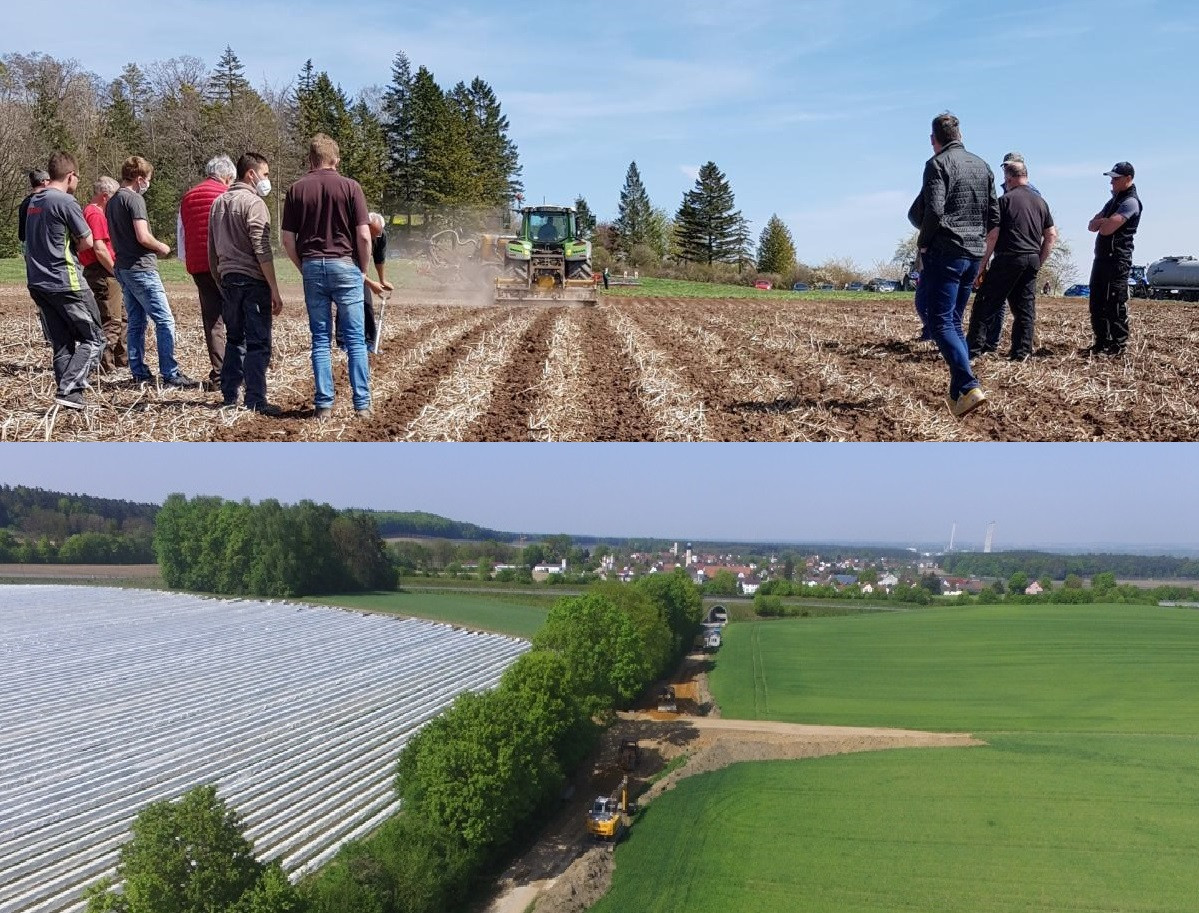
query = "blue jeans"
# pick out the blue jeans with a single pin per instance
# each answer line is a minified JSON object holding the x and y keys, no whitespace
{"x":145,"y":297}
{"x":922,"y":310}
{"x":948,"y":281}
{"x":246,"y":312}
{"x":339,"y":282}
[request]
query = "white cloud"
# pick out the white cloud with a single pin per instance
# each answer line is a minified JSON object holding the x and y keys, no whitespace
{"x":690,"y":171}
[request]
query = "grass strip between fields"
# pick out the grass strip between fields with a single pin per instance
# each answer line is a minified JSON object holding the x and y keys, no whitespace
{"x":513,"y":614}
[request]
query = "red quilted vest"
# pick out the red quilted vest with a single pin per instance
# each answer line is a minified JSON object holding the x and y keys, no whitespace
{"x":193,"y":210}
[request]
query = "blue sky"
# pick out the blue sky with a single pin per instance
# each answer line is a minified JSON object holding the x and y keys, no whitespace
{"x":817,"y":110}
{"x":1038,"y":494}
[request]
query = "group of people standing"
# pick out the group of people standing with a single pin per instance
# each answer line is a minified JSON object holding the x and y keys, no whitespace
{"x":972,"y":239}
{"x":224,"y":238}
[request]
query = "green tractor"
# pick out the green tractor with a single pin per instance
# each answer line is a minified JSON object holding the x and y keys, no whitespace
{"x":547,"y":262}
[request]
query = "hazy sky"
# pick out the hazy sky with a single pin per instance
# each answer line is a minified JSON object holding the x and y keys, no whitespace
{"x":817,"y":110}
{"x":1038,"y":494}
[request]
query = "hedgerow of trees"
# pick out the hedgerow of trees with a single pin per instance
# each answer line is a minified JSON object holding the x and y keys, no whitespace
{"x":210,"y":545}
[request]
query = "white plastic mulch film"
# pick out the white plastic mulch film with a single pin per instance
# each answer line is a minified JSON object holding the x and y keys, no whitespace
{"x":111,"y":699}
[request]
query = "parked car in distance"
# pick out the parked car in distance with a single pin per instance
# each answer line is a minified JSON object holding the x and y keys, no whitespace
{"x":882,"y":285}
{"x":855,"y":287}
{"x":1078,"y":291}
{"x":826,"y":287}
{"x":801,"y":287}
{"x":763,"y":284}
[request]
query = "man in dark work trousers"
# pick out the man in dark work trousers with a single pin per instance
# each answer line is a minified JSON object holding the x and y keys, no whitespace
{"x":1115,"y":225}
{"x":1021,"y":244}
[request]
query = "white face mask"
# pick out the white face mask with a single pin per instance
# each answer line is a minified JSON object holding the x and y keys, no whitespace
{"x":263,"y":187}
{"x":142,"y":189}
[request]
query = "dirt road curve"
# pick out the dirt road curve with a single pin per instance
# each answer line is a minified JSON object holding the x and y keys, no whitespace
{"x":647,"y":369}
{"x":566,"y":873}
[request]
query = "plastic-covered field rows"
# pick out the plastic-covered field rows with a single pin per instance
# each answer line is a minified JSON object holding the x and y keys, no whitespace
{"x":117,"y":698}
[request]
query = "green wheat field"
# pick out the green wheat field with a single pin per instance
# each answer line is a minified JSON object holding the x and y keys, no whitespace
{"x":1085,"y":798}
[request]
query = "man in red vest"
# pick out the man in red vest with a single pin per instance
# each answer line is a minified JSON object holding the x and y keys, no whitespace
{"x":194,"y":209}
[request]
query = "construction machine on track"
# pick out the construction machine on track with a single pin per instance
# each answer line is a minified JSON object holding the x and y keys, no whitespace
{"x":609,"y":818}
{"x":547,"y":262}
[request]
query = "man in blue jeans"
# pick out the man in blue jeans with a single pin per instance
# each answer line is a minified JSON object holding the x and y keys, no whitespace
{"x":959,"y":206}
{"x":136,"y":261}
{"x":327,"y":235}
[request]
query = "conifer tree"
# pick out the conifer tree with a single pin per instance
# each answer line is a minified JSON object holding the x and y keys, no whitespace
{"x":496,"y":167}
{"x":707,"y":227}
{"x":443,"y":169}
{"x":228,"y":79}
{"x":364,"y":153}
{"x":633,"y":213}
{"x":776,"y":249}
{"x":585,"y":218}
{"x":397,"y":126}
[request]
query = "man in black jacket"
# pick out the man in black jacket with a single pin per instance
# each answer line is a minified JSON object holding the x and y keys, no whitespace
{"x":1116,"y":224}
{"x":960,"y":207}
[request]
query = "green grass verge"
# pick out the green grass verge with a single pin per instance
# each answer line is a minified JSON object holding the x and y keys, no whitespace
{"x":680,"y":288}
{"x":1063,"y":823}
{"x":1085,"y":798}
{"x":484,"y":613}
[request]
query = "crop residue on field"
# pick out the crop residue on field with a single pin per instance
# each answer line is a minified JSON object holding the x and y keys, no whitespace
{"x":643,"y":369}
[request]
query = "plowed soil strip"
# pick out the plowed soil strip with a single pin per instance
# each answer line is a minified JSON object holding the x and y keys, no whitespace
{"x":852,"y":405}
{"x":404,"y":335}
{"x":741,"y":395}
{"x":515,"y":393}
{"x":465,"y":394}
{"x":610,"y":384}
{"x":675,"y":407}
{"x":413,"y":382}
{"x":561,"y":410}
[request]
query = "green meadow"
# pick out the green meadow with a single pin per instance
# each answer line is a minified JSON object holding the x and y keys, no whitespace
{"x":1085,"y":797}
{"x":519,"y":616}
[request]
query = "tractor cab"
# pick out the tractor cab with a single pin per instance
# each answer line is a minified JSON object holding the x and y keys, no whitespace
{"x":603,"y":808}
{"x":548,"y":225}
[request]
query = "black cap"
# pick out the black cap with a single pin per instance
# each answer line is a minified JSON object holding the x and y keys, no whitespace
{"x":38,"y":177}
{"x":1121,"y":170}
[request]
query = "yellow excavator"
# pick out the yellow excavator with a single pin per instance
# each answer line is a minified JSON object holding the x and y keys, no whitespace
{"x":609,"y":815}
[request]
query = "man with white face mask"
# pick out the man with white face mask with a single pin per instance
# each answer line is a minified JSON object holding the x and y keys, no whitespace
{"x":239,"y":255}
{"x":137,"y":253}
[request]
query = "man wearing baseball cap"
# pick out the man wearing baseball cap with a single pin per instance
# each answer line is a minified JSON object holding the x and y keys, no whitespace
{"x":1115,"y":225}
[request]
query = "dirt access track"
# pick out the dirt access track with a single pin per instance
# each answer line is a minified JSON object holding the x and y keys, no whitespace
{"x":642,"y":369}
{"x":566,"y":872}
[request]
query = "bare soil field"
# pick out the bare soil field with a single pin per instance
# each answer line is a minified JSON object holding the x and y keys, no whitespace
{"x":79,"y":571}
{"x":642,"y":369}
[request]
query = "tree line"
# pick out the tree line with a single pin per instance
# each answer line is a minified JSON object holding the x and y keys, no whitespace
{"x":424,"y":154}
{"x":47,"y":527}
{"x":432,"y":526}
{"x":1057,"y":567}
{"x":269,"y":549}
{"x":474,"y":783}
